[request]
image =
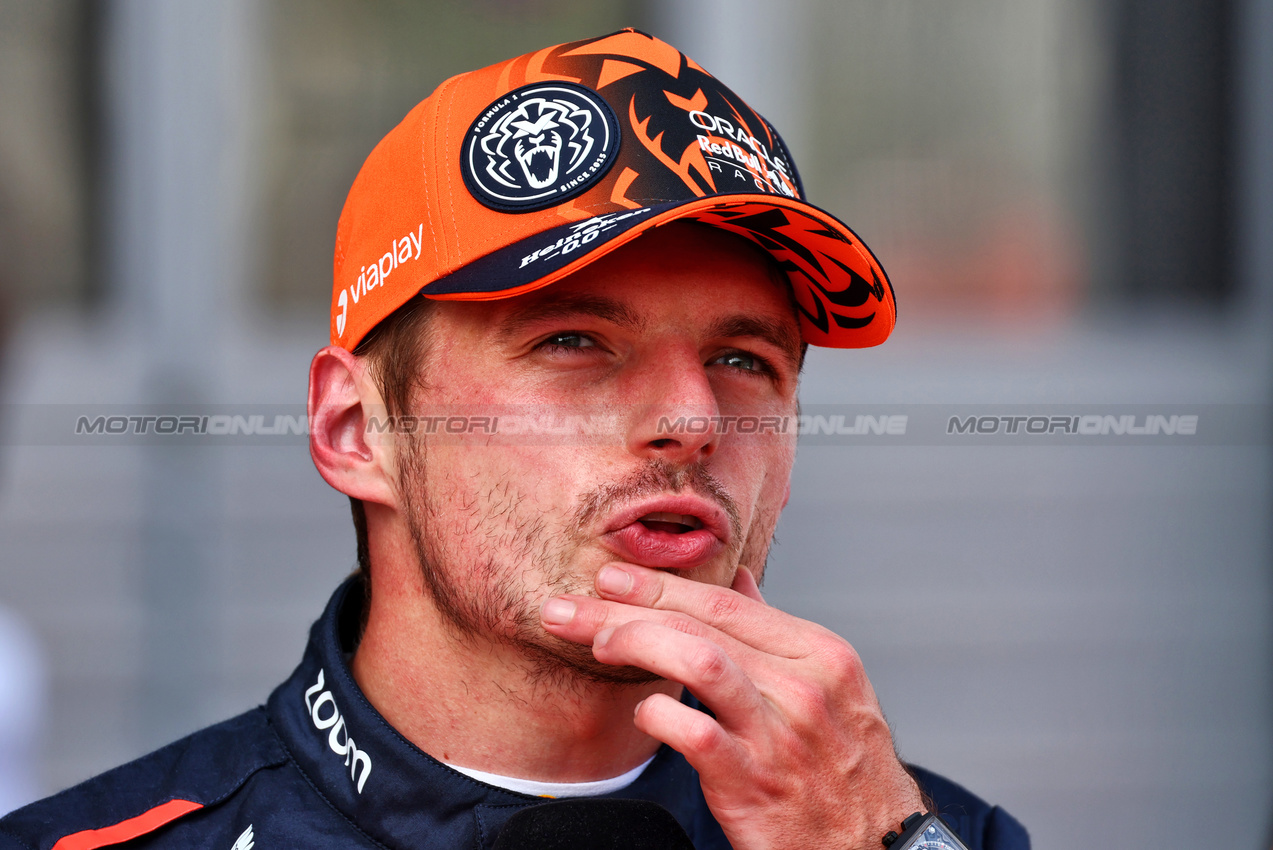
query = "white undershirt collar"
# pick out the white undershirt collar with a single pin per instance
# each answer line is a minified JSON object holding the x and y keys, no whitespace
{"x":556,"y":789}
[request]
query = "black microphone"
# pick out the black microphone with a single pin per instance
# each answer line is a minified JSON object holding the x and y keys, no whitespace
{"x":588,"y":823}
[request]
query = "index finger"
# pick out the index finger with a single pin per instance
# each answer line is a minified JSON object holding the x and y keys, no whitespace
{"x":746,"y":619}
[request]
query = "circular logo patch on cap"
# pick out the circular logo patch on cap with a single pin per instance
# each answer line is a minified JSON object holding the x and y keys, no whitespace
{"x":539,"y":145}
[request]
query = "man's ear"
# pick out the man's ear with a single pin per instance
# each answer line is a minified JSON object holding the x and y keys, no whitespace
{"x":342,"y":397}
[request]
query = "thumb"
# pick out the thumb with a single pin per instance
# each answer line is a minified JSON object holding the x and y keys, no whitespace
{"x":745,"y":583}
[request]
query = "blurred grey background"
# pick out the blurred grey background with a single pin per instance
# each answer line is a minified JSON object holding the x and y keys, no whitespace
{"x":1074,"y":199}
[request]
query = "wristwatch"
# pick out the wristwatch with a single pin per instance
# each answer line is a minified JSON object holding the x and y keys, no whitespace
{"x":923,"y":832}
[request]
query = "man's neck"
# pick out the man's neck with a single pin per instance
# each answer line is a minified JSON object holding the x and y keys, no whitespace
{"x":483,"y":704}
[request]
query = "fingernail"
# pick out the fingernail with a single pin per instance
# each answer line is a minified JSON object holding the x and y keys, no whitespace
{"x":558,"y":612}
{"x":614,"y":580}
{"x":637,"y":710}
{"x":601,"y":637}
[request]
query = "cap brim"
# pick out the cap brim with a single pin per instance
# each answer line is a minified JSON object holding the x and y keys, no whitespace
{"x":843,"y":295}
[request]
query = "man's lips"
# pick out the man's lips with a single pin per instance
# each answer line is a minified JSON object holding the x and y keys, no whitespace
{"x":674,"y":532}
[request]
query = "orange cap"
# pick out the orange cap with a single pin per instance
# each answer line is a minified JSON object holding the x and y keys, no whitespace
{"x":511,"y":177}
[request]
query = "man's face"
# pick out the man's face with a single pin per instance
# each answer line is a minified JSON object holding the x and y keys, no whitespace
{"x":684,"y":325}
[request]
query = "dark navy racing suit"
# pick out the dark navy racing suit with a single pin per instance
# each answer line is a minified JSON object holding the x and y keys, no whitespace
{"x":318,"y":767}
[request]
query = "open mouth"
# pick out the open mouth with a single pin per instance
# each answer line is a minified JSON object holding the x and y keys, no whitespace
{"x":670,"y":523}
{"x":671,"y":531}
{"x":539,"y":164}
{"x":661,"y":533}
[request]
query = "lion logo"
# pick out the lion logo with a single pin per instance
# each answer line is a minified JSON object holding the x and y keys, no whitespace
{"x":538,"y":146}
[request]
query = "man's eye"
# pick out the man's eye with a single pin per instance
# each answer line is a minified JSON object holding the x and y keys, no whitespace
{"x":741,"y":360}
{"x":569,"y":340}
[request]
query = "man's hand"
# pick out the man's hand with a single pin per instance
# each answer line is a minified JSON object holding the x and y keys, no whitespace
{"x":799,"y":753}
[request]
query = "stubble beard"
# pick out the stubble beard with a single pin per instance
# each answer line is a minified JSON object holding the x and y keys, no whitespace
{"x":492,"y":603}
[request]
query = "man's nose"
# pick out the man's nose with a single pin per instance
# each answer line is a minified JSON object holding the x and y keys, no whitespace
{"x":675,"y":412}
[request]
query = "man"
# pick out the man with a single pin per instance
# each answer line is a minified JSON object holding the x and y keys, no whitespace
{"x":572,"y":297}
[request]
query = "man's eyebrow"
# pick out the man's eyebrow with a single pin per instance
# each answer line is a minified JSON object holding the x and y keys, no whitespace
{"x":565,"y":307}
{"x":779,"y":334}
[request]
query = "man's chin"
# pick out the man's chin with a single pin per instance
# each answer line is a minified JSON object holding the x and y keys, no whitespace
{"x":568,"y":661}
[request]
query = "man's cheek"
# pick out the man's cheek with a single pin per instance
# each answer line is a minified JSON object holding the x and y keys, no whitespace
{"x":759,"y":537}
